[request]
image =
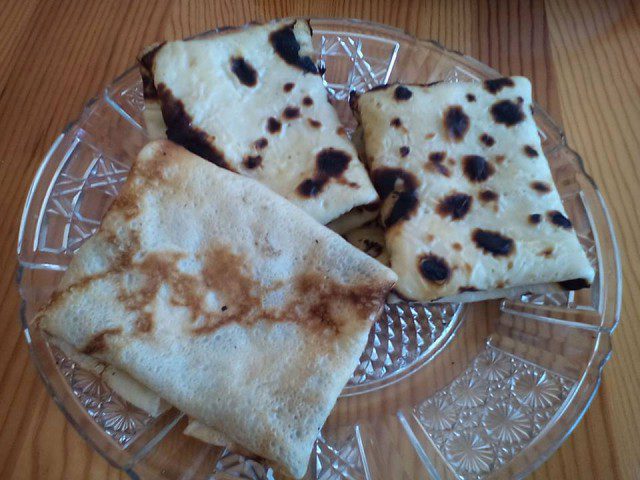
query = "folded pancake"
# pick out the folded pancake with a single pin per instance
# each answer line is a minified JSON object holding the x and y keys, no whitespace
{"x":228,"y":301}
{"x":252,"y":100}
{"x":469,"y":206}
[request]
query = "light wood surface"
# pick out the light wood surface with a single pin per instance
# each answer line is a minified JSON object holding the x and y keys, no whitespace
{"x":584,"y":60}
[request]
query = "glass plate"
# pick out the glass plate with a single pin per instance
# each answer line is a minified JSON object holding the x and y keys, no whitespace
{"x":442,"y":391}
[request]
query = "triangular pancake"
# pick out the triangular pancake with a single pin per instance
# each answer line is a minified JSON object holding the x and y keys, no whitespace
{"x":469,"y":203}
{"x":228,"y":301}
{"x":253,"y":101}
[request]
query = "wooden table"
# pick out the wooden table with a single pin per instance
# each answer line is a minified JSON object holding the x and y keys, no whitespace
{"x":584,"y":60}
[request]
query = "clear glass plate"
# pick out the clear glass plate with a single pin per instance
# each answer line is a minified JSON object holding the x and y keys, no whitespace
{"x":442,"y":391}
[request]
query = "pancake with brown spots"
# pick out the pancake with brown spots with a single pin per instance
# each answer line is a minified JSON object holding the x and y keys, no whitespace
{"x":217,"y":95}
{"x":201,"y":281}
{"x":475,"y":176}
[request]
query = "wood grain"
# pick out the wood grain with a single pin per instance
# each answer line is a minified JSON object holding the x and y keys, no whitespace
{"x":584,"y":60}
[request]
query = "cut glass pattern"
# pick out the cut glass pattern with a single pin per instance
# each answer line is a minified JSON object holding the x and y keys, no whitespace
{"x":491,"y":412}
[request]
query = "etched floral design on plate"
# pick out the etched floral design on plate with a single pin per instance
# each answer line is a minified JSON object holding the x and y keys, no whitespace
{"x":536,"y":388}
{"x":507,"y":423}
{"x":118,"y":418}
{"x":491,"y":411}
{"x":469,"y":452}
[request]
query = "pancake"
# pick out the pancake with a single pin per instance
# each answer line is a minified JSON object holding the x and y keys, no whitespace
{"x":469,"y":206}
{"x":253,"y":101}
{"x":370,"y":239}
{"x":226,"y":300}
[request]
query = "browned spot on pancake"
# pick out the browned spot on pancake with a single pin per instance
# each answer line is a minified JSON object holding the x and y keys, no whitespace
{"x":500,"y":284}
{"x":244,"y":71}
{"x":457,"y":246}
{"x":144,"y":322}
{"x":541,"y":187}
{"x":430,"y":135}
{"x":493,"y":243}
{"x":437,"y":157}
{"x":467,"y":289}
{"x":231,"y":278}
{"x":402,"y":93}
{"x":387,"y":180}
{"x":252,"y":161}
{"x":341,"y":131}
{"x":261,"y":143}
{"x":288,"y":86}
{"x":434,"y":269}
{"x":400,"y":186}
{"x":456,"y":123}
{"x":488,"y":195}
{"x":158,"y":269}
{"x":286,"y":45}
{"x":477,"y":168}
{"x":470,"y":97}
{"x":314,"y":123}
{"x":395,"y":122}
{"x":487,"y":139}
{"x":319,"y":301}
{"x":435,"y":163}
{"x":127,"y":203}
{"x":530,"y":151}
{"x":547,"y":252}
{"x":291,"y":112}
{"x":499,"y":159}
{"x":404,"y":151}
{"x":310,"y":187}
{"x":330,"y":163}
{"x":468,"y":268}
{"x":535,"y":218}
{"x":146,"y":72}
{"x":180,"y":129}
{"x":97,"y":343}
{"x":574,"y":284}
{"x":455,"y":205}
{"x":273,"y":125}
{"x":223,"y":272}
{"x":497,"y":84}
{"x":307,"y":101}
{"x":510,"y":265}
{"x":558,"y":219}
{"x":507,"y":113}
